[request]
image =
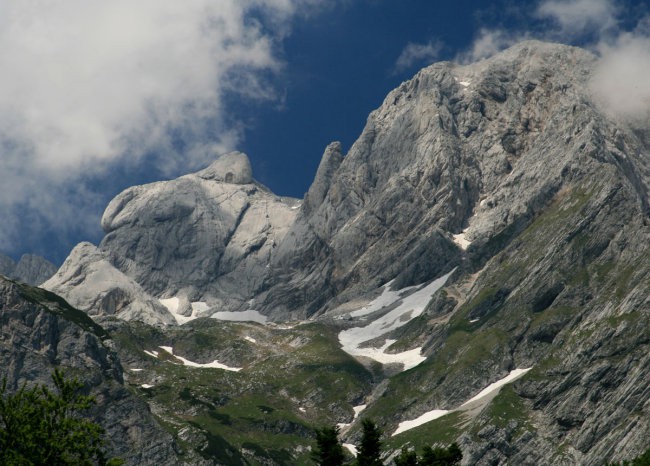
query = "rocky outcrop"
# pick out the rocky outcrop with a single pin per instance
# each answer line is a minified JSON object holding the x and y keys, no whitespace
{"x":476,"y":151}
{"x":30,"y":269}
{"x":206,"y":237}
{"x":40,"y":331}
{"x":92,"y":284}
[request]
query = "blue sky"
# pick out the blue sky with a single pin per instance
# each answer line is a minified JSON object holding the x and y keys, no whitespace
{"x":99,"y":96}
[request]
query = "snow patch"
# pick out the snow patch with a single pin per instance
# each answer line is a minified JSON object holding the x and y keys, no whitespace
{"x":426,"y":417}
{"x":136,"y":370}
{"x":406,"y":309}
{"x":302,"y":410}
{"x":474,"y":320}
{"x":251,"y":339}
{"x":357,"y":410}
{"x":242,"y":316}
{"x":351,"y":448}
{"x":146,"y":385}
{"x":436,"y":413}
{"x":464,"y":83}
{"x":461,"y":241}
{"x":171,"y":304}
{"x":386,"y":298}
{"x":199,"y":307}
{"x":214,"y":364}
{"x":512,"y":376}
{"x":152,"y":353}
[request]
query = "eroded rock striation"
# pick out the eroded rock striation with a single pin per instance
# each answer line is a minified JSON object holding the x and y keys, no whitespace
{"x":507,"y":172}
{"x":40,"y":331}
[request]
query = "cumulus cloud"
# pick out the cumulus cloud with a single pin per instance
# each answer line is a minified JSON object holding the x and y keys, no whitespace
{"x":621,"y":81}
{"x":488,"y":42}
{"x":575,"y":17}
{"x":90,"y":83}
{"x":414,"y":54}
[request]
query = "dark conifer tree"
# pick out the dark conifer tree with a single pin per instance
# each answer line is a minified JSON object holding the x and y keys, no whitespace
{"x":369,"y":450}
{"x":329,"y":451}
{"x":406,"y":458}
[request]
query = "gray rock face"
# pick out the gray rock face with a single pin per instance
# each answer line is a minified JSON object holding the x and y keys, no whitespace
{"x":30,"y":269}
{"x":206,"y":237}
{"x":506,"y":169}
{"x":39,"y":333}
{"x":471,"y":149}
{"x":90,"y":282}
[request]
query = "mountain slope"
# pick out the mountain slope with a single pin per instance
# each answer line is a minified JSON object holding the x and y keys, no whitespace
{"x":491,"y":221}
{"x":40,"y":331}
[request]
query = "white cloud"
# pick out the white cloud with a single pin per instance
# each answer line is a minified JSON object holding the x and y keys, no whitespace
{"x":488,"y":42}
{"x":622,"y":78}
{"x":575,"y":17}
{"x":90,"y":83}
{"x":414,"y":54}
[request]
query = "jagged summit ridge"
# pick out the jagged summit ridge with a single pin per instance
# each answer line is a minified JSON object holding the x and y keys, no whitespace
{"x":455,"y":156}
{"x":502,"y":183}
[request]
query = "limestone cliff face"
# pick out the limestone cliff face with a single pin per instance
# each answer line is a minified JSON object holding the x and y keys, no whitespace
{"x":40,"y":331}
{"x":31,"y":269}
{"x":506,"y":171}
{"x":207,"y":237}
{"x":479,"y":149}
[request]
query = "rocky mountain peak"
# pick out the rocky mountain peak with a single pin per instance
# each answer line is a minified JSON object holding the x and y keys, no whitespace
{"x":31,"y":269}
{"x":233,"y":167}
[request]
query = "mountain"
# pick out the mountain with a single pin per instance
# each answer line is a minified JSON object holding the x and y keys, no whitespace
{"x":40,"y":332}
{"x":475,"y":268}
{"x":30,"y":269}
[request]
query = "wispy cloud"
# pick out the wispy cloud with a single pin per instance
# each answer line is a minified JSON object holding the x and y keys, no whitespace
{"x":417,"y":54}
{"x":90,"y":83}
{"x":576,"y":17}
{"x":620,"y":80}
{"x":488,"y":42}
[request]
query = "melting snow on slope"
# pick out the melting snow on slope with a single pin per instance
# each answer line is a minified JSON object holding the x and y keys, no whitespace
{"x":146,"y":385}
{"x":351,"y":448}
{"x":251,"y":339}
{"x":172,"y":304}
{"x":243,"y":316}
{"x":436,"y":413}
{"x":357,"y":410}
{"x":406,"y":309}
{"x":514,"y":375}
{"x":153,"y":354}
{"x":426,"y":417}
{"x":461,"y":241}
{"x":214,"y":364}
{"x":386,"y":298}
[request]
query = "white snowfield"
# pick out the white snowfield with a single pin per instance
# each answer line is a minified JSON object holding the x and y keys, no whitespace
{"x":461,"y":240}
{"x":186,"y":362}
{"x":492,"y":389}
{"x":243,"y":316}
{"x":351,"y":448}
{"x":406,"y":309}
{"x":199,"y":308}
{"x":146,"y":385}
{"x":357,"y":410}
